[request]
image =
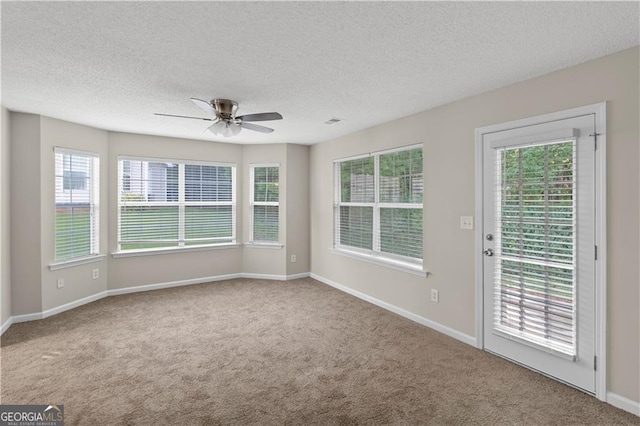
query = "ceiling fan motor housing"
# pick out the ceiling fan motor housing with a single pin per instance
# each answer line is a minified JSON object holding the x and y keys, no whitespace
{"x":226,"y":108}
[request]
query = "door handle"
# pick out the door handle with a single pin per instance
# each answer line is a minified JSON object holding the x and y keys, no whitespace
{"x":488,"y":252}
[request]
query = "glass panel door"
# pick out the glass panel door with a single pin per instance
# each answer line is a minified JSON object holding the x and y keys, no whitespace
{"x":539,"y":240}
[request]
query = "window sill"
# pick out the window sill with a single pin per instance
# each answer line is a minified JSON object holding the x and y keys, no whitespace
{"x":76,"y":262}
{"x":383,"y":261}
{"x":263,"y":245}
{"x":153,"y":252}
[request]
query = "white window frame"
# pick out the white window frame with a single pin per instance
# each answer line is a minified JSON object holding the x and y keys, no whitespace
{"x":375,"y":256}
{"x":94,"y":210}
{"x":181,"y":204}
{"x":252,"y":204}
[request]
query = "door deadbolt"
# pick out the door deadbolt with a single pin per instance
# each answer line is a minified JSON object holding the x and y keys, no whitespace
{"x":489,"y":237}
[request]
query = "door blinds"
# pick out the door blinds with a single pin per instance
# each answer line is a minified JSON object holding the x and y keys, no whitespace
{"x":535,"y":274}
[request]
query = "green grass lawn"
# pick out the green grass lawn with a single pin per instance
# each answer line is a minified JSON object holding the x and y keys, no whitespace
{"x":73,"y":235}
{"x":158,"y":227}
{"x":149,"y":227}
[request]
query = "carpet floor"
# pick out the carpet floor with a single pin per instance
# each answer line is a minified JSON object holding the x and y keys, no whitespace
{"x":269,"y":352}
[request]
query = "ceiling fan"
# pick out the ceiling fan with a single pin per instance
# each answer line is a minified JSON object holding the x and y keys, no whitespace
{"x":225,"y":121}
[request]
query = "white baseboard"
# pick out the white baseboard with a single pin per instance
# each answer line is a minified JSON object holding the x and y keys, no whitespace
{"x":26,"y":317}
{"x":74,"y":304}
{"x":298,"y":276}
{"x":263,"y":276}
{"x":623,"y":403}
{"x":274,"y":277}
{"x":136,"y":289}
{"x":169,"y":284}
{"x":6,"y":325}
{"x":395,"y":309}
{"x":58,"y":309}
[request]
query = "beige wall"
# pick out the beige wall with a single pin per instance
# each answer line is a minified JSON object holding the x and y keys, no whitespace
{"x":297,"y":209}
{"x":26,"y":260}
{"x":170,"y":267}
{"x":5,"y":238}
{"x":447,"y":133}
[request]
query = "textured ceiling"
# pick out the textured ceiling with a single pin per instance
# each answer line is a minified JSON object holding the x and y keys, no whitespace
{"x":111,"y":65}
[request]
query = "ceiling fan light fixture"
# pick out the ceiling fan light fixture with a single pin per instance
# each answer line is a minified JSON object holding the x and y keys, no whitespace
{"x":233,"y":128}
{"x":225,"y":128}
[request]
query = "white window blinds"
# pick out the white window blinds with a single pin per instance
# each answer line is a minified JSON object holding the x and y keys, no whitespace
{"x":171,"y":204}
{"x":264,"y":203}
{"x":356,"y":199}
{"x":534,"y":288}
{"x":378,"y":204}
{"x":77,"y":197}
{"x":400,"y":201}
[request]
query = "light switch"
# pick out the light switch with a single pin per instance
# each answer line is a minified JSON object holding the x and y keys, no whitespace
{"x":466,"y":222}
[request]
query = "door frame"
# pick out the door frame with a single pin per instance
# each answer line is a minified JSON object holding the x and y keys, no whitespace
{"x":600,"y":117}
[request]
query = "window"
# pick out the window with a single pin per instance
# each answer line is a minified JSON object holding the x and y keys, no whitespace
{"x":77,"y":195}
{"x":170,"y":204}
{"x":378,"y":205}
{"x":264,"y":201}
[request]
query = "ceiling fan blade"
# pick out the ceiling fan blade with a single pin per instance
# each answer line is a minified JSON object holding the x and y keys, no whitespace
{"x":184,"y":116}
{"x":263,"y":116}
{"x":205,"y":106}
{"x":256,"y":127}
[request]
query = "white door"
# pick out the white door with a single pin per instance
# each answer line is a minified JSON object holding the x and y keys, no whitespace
{"x":539,"y":247}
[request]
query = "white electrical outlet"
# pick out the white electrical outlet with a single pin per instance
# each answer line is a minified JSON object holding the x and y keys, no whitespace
{"x":435,"y":295}
{"x":466,"y":222}
{"x":96,"y":273}
{"x":60,"y":282}
{"x":293,"y":258}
